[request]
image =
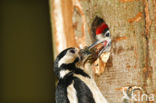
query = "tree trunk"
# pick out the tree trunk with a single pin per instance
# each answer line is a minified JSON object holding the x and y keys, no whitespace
{"x":132,"y":24}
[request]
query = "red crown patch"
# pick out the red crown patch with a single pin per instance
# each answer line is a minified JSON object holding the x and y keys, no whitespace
{"x":101,"y":28}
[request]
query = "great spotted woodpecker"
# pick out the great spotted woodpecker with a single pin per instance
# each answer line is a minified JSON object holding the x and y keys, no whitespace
{"x":101,"y":35}
{"x":73,"y":68}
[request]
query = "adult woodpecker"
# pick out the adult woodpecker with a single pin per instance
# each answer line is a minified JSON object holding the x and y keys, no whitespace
{"x":73,"y":68}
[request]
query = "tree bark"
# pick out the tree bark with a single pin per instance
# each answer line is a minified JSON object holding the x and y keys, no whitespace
{"x":132,"y":24}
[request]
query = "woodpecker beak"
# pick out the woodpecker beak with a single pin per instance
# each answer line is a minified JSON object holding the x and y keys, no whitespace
{"x":87,"y":55}
{"x":102,"y":45}
{"x":92,"y":52}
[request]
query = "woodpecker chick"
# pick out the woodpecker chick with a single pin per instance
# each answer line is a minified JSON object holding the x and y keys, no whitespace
{"x":73,"y":68}
{"x":101,"y":34}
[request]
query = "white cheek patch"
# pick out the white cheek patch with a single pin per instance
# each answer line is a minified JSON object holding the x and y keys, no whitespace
{"x":63,"y":73}
{"x":68,"y":58}
{"x":99,"y":36}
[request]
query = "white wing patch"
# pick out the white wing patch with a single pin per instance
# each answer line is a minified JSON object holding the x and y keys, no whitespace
{"x":71,"y":93}
{"x":63,"y":73}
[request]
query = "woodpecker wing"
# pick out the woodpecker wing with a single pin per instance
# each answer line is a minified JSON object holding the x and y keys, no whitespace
{"x":84,"y":95}
{"x":65,"y":91}
{"x":61,"y":94}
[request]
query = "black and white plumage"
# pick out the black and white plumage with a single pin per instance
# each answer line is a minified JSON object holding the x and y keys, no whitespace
{"x":76,"y":85}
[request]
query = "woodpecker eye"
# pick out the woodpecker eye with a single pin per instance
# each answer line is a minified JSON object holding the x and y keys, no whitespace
{"x":107,"y":34}
{"x":72,"y":51}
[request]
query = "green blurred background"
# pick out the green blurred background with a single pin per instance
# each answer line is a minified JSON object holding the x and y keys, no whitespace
{"x":26,"y":52}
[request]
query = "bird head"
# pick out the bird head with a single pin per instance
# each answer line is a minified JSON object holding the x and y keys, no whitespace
{"x":102,"y":35}
{"x":70,"y":59}
{"x":65,"y":61}
{"x":102,"y":31}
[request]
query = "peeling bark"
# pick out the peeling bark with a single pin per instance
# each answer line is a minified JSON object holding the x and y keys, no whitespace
{"x":136,"y":18}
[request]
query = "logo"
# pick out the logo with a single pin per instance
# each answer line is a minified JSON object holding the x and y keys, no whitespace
{"x":136,"y":94}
